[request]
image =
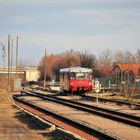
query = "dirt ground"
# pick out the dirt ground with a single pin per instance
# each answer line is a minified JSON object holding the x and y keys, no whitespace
{"x":18,"y":125}
{"x":10,"y":127}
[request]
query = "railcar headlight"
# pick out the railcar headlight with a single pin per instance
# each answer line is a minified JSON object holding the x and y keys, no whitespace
{"x":90,"y":83}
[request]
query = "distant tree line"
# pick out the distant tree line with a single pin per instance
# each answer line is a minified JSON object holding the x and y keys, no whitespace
{"x":101,"y":65}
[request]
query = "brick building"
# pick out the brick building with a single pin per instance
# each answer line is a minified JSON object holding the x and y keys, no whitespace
{"x":129,"y":73}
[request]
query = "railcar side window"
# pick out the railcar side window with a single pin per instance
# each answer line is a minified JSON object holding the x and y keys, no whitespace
{"x":87,"y":76}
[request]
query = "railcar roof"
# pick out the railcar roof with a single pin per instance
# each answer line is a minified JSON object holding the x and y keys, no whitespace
{"x":75,"y":69}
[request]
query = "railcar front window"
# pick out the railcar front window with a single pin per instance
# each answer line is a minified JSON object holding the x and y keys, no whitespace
{"x":80,"y":76}
{"x":73,"y":75}
{"x":87,"y":76}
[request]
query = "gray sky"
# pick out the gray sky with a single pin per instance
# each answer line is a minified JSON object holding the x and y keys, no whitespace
{"x":60,"y":25}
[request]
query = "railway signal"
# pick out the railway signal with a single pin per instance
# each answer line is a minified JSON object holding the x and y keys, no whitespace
{"x":3,"y":55}
{"x":97,"y":89}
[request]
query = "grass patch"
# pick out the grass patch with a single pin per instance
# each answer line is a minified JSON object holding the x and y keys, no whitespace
{"x":30,"y":121}
{"x":36,"y":124}
{"x":59,"y":135}
{"x":134,"y":98}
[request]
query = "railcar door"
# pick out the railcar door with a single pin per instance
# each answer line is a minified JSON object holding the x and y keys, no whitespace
{"x":66,"y":81}
{"x":61,"y":81}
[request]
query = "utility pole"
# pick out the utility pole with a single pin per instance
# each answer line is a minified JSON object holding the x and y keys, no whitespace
{"x":45,"y":69}
{"x":17,"y":56}
{"x":4,"y":56}
{"x":8,"y":62}
{"x":12,"y":57}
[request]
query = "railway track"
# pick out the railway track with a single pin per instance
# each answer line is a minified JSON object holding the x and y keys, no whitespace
{"x":64,"y":122}
{"x":107,"y":113}
{"x":118,"y":102}
{"x":114,"y":101}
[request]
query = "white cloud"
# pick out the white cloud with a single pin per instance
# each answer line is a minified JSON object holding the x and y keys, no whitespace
{"x":23,"y":19}
{"x":110,"y":17}
{"x":42,"y":2}
{"x":126,"y":39}
{"x":125,"y":20}
{"x":33,"y":44}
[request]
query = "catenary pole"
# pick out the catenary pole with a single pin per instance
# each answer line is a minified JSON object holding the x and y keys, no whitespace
{"x":9,"y":62}
{"x":17,"y":56}
{"x":12,"y":57}
{"x":45,"y":69}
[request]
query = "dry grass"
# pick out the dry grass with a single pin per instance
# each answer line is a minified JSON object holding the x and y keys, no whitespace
{"x":3,"y":83}
{"x":18,"y":125}
{"x":10,"y":127}
{"x":134,"y":98}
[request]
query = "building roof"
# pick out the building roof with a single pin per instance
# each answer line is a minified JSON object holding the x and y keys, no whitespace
{"x":134,"y":67}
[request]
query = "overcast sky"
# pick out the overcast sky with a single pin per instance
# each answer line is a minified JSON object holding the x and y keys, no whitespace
{"x":60,"y":25}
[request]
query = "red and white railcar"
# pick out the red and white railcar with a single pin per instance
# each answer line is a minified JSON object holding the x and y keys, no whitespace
{"x":76,"y":79}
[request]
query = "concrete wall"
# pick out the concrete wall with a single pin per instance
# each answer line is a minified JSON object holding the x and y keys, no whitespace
{"x":26,"y":74}
{"x":32,"y":74}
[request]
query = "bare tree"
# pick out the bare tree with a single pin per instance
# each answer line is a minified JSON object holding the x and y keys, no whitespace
{"x":41,"y":68}
{"x":105,"y":61}
{"x":105,"y":58}
{"x":124,"y":57}
{"x":118,"y":57}
{"x":67,"y":59}
{"x":71,"y":59}
{"x":128,"y":57}
{"x":137,"y":56}
{"x":87,"y":60}
{"x":57,"y":66}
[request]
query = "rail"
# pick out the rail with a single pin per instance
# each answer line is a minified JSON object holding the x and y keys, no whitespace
{"x":108,"y":113}
{"x":85,"y":129}
{"x":114,"y":101}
